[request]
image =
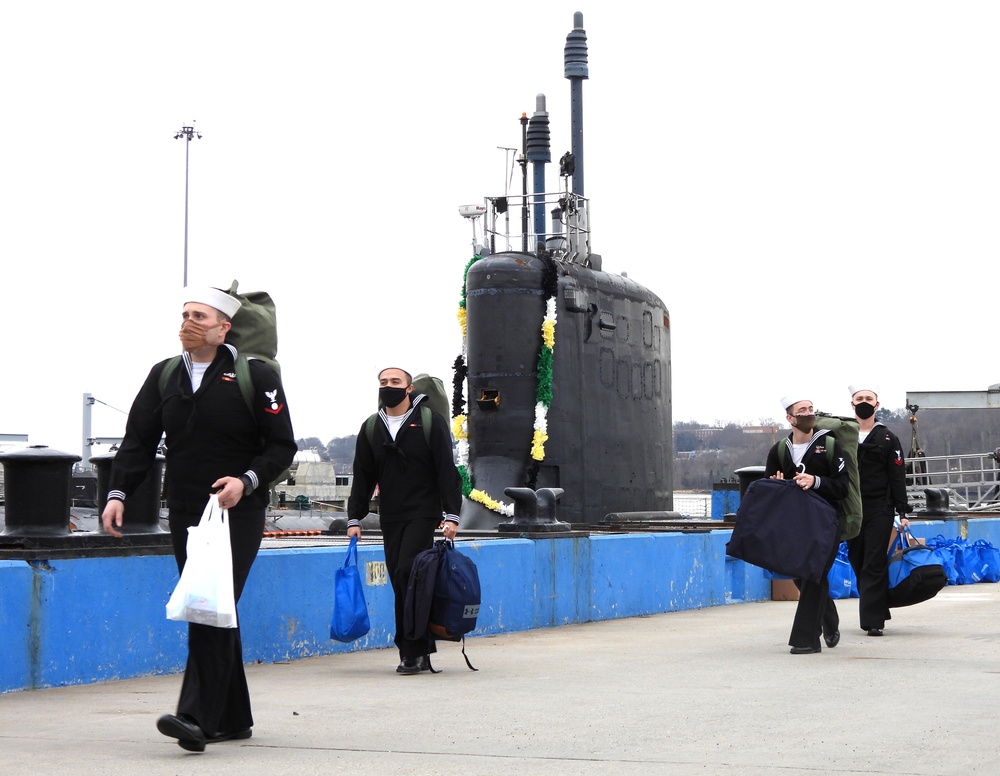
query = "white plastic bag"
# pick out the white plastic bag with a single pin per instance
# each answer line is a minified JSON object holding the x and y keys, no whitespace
{"x":204,"y":593}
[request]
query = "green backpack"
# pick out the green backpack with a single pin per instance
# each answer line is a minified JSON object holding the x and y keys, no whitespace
{"x":433,"y":389}
{"x":845,"y":431}
{"x":255,"y":327}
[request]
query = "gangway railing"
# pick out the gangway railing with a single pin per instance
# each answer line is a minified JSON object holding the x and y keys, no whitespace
{"x":972,"y":481}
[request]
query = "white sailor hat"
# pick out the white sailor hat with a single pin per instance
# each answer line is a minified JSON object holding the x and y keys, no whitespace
{"x":873,"y":387}
{"x":793,"y":398}
{"x":213,"y":297}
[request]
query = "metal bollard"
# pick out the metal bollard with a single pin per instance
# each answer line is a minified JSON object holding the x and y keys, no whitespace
{"x":37,"y":492}
{"x":937,"y":503}
{"x":142,"y":508}
{"x":534,"y":511}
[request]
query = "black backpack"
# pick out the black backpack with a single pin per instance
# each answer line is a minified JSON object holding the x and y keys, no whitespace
{"x":443,"y":596}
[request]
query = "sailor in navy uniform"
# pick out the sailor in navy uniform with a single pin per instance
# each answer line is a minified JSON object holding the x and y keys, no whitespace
{"x":805,"y":459}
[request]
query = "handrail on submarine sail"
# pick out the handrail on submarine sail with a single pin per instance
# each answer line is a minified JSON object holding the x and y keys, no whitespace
{"x":567,"y":240}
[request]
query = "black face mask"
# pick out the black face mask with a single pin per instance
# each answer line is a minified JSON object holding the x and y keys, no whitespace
{"x":864,"y":410}
{"x":391,"y":397}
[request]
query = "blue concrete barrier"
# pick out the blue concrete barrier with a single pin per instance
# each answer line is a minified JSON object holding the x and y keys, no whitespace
{"x":85,"y":620}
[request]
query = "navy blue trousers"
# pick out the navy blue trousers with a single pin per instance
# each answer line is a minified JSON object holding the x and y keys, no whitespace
{"x":868,"y":553}
{"x":816,"y":612}
{"x":403,"y":542}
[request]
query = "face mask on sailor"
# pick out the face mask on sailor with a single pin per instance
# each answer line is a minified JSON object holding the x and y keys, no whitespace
{"x":201,"y":327}
{"x":864,"y":410}
{"x":802,"y":416}
{"x":391,"y":396}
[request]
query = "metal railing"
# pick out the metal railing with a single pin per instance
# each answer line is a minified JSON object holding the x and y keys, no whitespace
{"x":566,"y":236}
{"x":693,"y":506}
{"x":972,"y":481}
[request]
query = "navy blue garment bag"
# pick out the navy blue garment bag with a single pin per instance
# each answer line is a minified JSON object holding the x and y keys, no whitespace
{"x":784,"y":529}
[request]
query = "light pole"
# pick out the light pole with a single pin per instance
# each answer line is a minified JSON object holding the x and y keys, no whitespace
{"x":188,"y":134}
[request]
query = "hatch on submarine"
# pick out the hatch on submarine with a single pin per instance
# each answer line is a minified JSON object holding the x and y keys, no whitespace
{"x":563,"y":386}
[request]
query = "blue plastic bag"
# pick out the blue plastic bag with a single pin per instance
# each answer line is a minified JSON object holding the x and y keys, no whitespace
{"x":350,"y":611}
{"x":843,"y":582}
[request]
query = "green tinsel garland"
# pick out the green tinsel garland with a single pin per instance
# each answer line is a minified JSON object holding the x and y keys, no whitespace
{"x":543,"y":394}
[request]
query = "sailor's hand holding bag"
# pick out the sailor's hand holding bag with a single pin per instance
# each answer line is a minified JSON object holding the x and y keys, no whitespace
{"x":204,"y":593}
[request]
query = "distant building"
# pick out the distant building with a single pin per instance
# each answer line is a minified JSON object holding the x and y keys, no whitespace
{"x":319,"y":482}
{"x":774,"y":432}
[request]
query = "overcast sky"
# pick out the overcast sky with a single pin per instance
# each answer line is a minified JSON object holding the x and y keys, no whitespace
{"x":812,"y":189}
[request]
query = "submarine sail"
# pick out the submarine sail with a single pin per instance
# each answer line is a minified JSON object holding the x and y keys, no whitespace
{"x":566,"y":367}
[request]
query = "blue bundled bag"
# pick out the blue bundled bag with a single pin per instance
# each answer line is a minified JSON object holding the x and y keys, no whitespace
{"x":966,"y":563}
{"x":945,"y":550}
{"x":350,"y":611}
{"x":989,"y":561}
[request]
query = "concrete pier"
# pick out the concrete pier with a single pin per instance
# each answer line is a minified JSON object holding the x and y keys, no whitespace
{"x":709,"y":691}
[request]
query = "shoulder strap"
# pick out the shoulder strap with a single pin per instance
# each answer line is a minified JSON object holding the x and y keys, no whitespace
{"x":425,"y":420}
{"x":245,"y":381}
{"x":370,"y":429}
{"x":168,"y":369}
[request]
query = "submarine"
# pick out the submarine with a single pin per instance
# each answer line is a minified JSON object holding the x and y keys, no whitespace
{"x":561,"y":405}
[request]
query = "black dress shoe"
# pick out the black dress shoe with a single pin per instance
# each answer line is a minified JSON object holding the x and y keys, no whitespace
{"x":832,"y":641}
{"x":805,"y":650}
{"x":235,"y":735}
{"x":414,"y":665}
{"x":188,"y":735}
{"x":875,"y":632}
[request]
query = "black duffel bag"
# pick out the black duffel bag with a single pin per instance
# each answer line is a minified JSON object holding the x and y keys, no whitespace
{"x":915,"y":572}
